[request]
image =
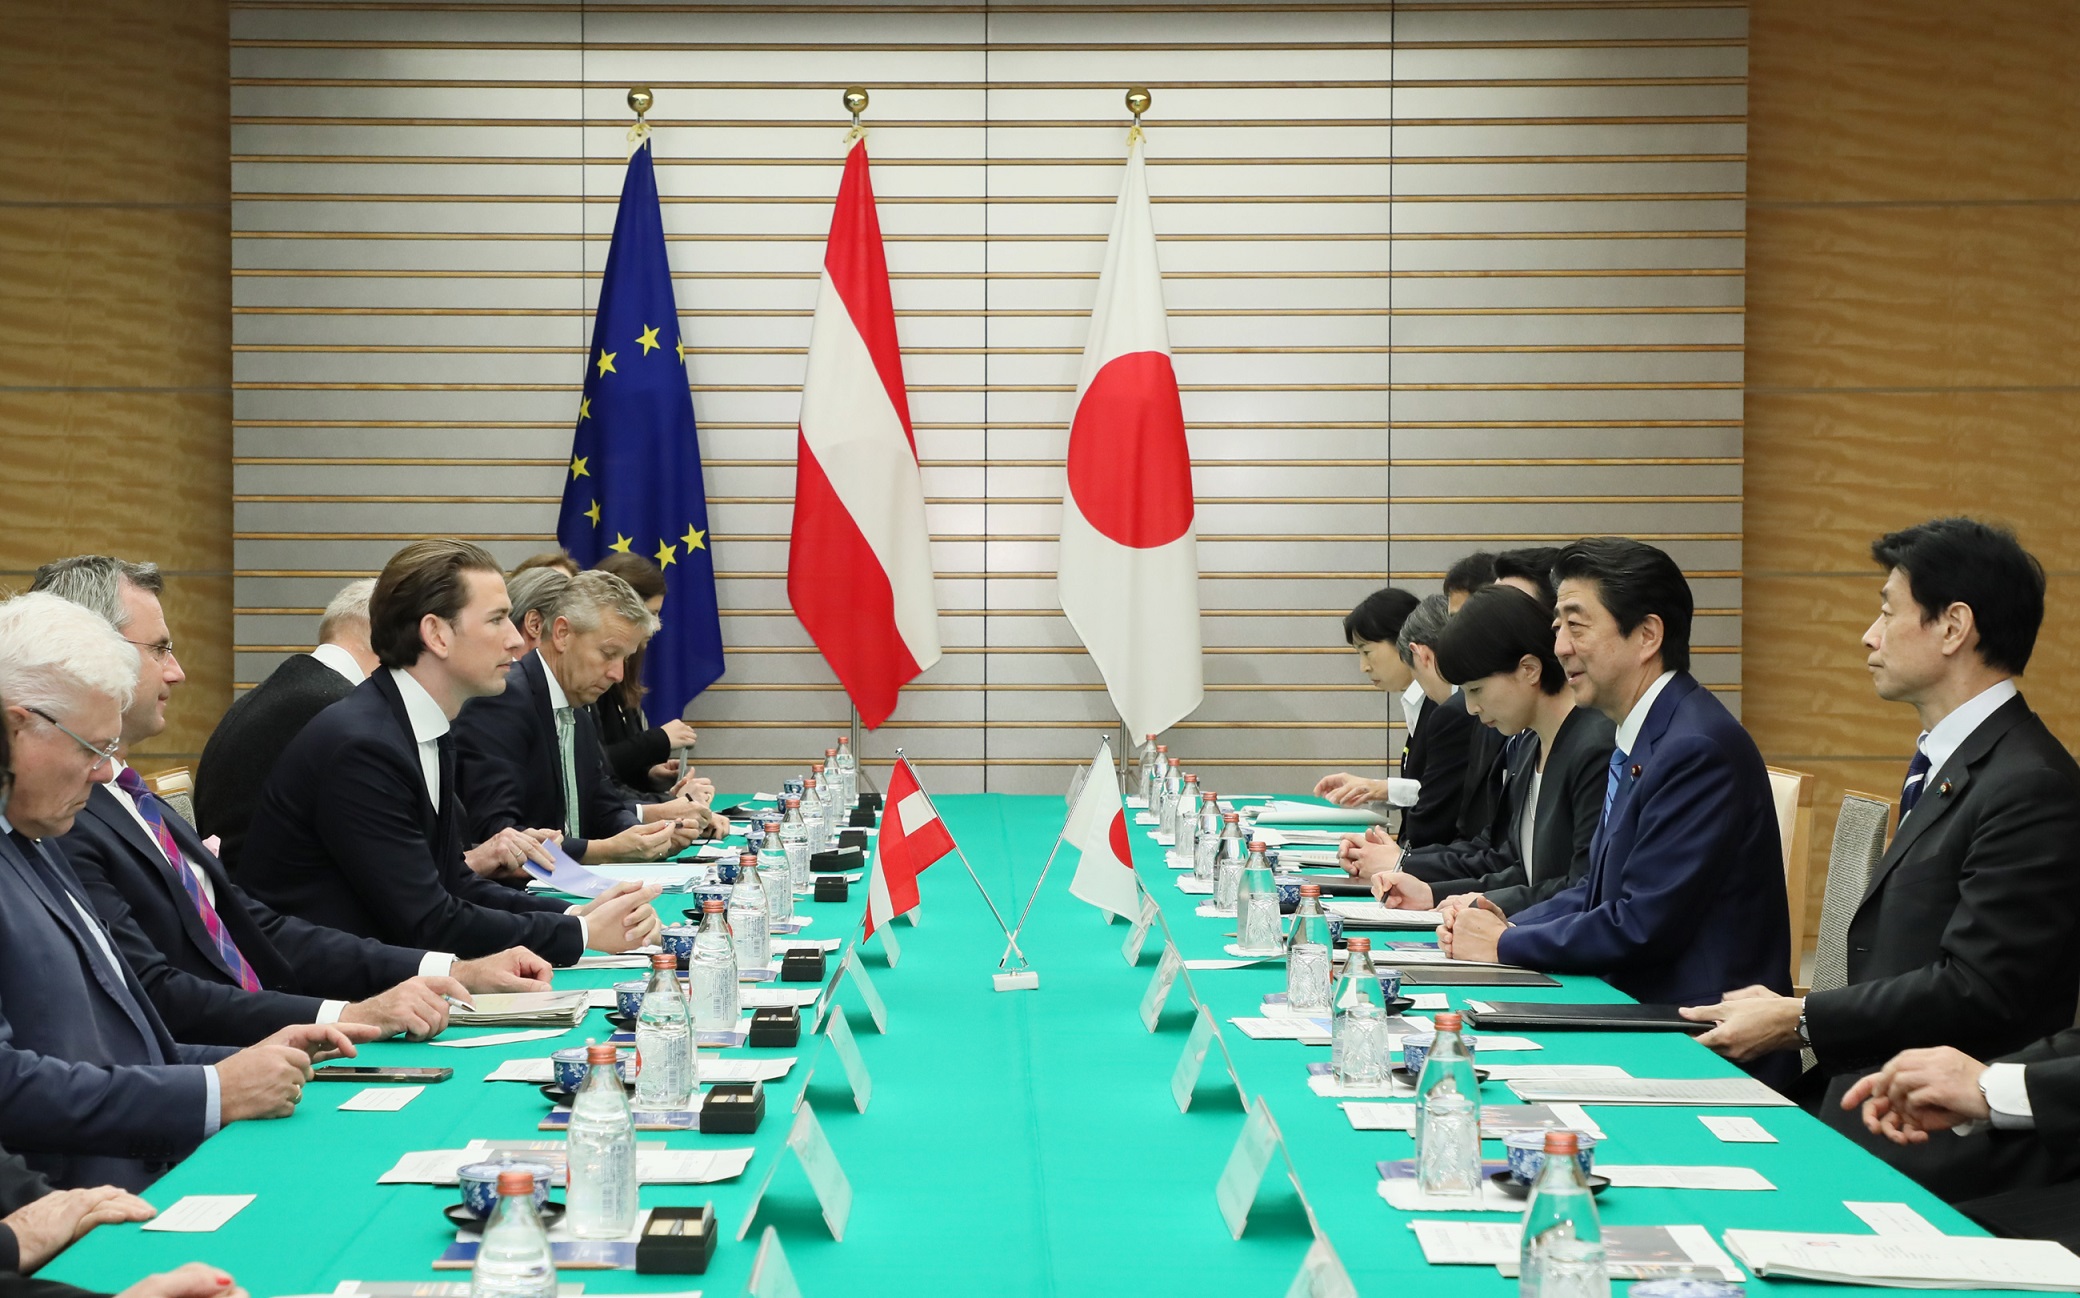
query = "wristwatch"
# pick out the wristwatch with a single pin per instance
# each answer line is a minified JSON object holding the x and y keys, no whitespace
{"x":1805,"y":1041}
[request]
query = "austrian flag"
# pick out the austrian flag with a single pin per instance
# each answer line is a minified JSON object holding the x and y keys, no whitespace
{"x":912,"y":837}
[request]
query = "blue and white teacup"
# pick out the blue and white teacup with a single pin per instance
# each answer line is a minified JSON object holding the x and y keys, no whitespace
{"x":678,"y":939}
{"x":1415,"y":1048}
{"x":1527,"y":1154}
{"x":628,"y":997}
{"x":1288,"y":886}
{"x":1389,"y":983}
{"x":479,"y":1183}
{"x":571,"y":1067}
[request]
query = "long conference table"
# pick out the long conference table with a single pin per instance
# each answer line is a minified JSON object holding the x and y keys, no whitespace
{"x":1021,"y":1142}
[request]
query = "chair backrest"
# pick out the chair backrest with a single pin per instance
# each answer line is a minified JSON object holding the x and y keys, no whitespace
{"x":176,"y":788}
{"x":1859,"y":842}
{"x":1792,"y":791}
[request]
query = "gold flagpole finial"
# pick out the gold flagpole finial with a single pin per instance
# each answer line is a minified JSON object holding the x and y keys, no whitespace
{"x":639,"y":101}
{"x":1138,"y":101}
{"x":856,"y":103}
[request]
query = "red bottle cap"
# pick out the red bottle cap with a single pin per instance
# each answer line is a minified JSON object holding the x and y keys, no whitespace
{"x":512,"y":1185}
{"x":748,"y":858}
{"x":1562,"y":1142}
{"x":712,"y":906}
{"x":664,"y":960}
{"x":793,"y":801}
{"x":1353,"y":943}
{"x":1310,"y":890}
{"x":1448,"y":1021}
{"x":1256,"y":845}
{"x":598,"y":1054}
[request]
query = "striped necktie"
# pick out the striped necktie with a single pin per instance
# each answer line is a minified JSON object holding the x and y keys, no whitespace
{"x":566,"y":746}
{"x":1610,"y":786}
{"x":1917,"y":778}
{"x":153,"y":812}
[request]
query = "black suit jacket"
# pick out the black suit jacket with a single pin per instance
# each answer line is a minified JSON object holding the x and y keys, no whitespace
{"x":126,"y":876}
{"x":512,"y":776}
{"x":632,"y":744}
{"x":1480,"y":792}
{"x":1436,"y":753}
{"x":1969,"y":934}
{"x":346,"y":836}
{"x":251,"y":738}
{"x":1570,"y":802}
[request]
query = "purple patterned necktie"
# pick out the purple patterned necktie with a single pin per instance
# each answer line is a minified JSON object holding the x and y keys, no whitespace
{"x":148,"y":806}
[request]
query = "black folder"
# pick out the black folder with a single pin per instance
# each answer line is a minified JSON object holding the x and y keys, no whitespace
{"x":1448,"y":975}
{"x":1595,"y":1018}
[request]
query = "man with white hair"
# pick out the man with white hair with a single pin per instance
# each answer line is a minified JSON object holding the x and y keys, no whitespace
{"x":221,"y":968}
{"x":531,"y":756}
{"x":93,"y":1088}
{"x":243,"y":749}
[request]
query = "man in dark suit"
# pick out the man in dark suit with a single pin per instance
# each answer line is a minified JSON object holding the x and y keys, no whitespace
{"x":242,"y":750}
{"x":93,"y":1089}
{"x":1498,"y":649}
{"x":1440,"y":734}
{"x":1964,"y":936}
{"x":210,"y":958}
{"x":361,"y":828}
{"x":530,"y":756}
{"x":1686,"y":883}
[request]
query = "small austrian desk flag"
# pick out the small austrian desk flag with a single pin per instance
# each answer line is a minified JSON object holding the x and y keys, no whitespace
{"x":1098,"y":828}
{"x":912,"y":838}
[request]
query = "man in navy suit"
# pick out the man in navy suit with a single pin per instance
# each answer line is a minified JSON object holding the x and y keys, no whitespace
{"x":93,"y":1089}
{"x":530,"y":756}
{"x":361,"y":826}
{"x":1685,"y":892}
{"x":220,"y":968}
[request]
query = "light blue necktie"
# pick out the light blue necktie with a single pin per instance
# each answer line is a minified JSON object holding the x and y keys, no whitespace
{"x":1610,"y":788}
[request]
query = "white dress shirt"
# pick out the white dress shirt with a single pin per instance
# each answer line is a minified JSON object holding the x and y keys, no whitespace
{"x":1527,"y":828}
{"x":338,"y":659}
{"x":1949,"y":734}
{"x":1411,"y":707}
{"x":1636,"y":720}
{"x":428,"y":723}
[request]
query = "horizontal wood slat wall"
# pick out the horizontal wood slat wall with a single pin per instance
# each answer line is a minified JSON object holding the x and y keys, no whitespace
{"x":1440,"y":276}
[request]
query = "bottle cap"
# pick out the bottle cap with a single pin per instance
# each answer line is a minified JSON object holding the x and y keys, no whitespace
{"x":664,"y":960}
{"x":1207,"y":794}
{"x":1228,"y":816}
{"x":600,"y":1054}
{"x":1351,"y":943}
{"x":1162,"y":748}
{"x":829,"y":753}
{"x":793,"y":801}
{"x":1256,"y":845}
{"x":1448,"y":1021}
{"x":1310,"y":890}
{"x":1562,"y":1142}
{"x":516,"y":1185}
{"x":748,"y":858}
{"x":711,"y":906}
{"x":1191,"y":779}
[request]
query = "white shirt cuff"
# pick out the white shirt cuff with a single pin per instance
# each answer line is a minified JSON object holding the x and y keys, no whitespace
{"x":584,"y":929}
{"x":212,"y":1102}
{"x":437,"y":964}
{"x":2007,"y":1095}
{"x":329,"y":1011}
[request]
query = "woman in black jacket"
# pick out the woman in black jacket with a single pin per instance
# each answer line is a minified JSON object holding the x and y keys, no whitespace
{"x":638,"y":753}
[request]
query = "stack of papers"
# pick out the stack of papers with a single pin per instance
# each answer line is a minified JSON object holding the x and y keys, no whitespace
{"x":523,"y":1010}
{"x":1371,"y":914}
{"x":1315,"y":813}
{"x":1631,"y":1252}
{"x":655,"y":1165}
{"x":1910,"y":1261}
{"x":1647,"y":1090}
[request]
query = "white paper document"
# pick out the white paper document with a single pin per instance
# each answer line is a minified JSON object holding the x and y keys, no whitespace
{"x":1648,"y":1090}
{"x":501,"y":1038}
{"x":1909,"y":1261}
{"x":1657,"y":1177}
{"x":1405,"y":1194}
{"x":199,"y":1212}
{"x":1314,"y":813}
{"x":1192,"y":887}
{"x":759,"y":998}
{"x":631,"y":960}
{"x":1633,"y":1252}
{"x":381,"y":1099}
{"x":1517,"y":1072}
{"x":1891,"y":1218}
{"x":540,"y":1072}
{"x":1308,"y":1032}
{"x":1371,"y":914}
{"x":1737,"y":1130}
{"x":1221,"y":964}
{"x":1484,"y":1044}
{"x":1430,"y":1000}
{"x":1381,"y":1117}
{"x":744,"y":1070}
{"x":1326,"y":1086}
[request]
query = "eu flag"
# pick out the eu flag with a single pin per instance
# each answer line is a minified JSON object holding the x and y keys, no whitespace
{"x":634,"y":480}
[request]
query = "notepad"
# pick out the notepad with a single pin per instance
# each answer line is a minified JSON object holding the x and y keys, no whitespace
{"x":1371,"y":914}
{"x":196,"y":1213}
{"x":381,"y":1099}
{"x":523,"y":1009}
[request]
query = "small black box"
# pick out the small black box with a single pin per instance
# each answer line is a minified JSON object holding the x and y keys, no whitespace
{"x":678,"y":1240}
{"x":870,"y":802}
{"x":802,"y":966}
{"x":775,"y":1025}
{"x":733,"y":1108}
{"x":856,"y":839}
{"x":842,"y":861}
{"x":833,"y":887}
{"x":862,"y":818}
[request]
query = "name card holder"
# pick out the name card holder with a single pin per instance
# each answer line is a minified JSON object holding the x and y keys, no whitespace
{"x":771,"y":1277}
{"x":1158,"y":991}
{"x":811,"y":1148}
{"x":1242,"y":1180}
{"x":1321,"y":1274}
{"x":1206,"y":1035}
{"x":877,"y":1009}
{"x":889,"y":946}
{"x":1138,"y":934}
{"x":839,"y":1033}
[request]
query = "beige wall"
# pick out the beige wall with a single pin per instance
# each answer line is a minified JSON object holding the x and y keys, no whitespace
{"x":1913,"y":343}
{"x":115,"y":362}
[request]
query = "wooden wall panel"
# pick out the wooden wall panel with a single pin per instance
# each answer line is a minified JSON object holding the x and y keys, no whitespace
{"x":115,"y":346}
{"x":1914,"y":256}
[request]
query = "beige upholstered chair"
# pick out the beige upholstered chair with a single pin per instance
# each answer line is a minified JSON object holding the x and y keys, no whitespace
{"x":1859,"y":843}
{"x":176,"y":788}
{"x":1792,"y":791}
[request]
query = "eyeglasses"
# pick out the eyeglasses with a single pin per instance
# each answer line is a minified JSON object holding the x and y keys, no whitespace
{"x":159,"y":649}
{"x":103,"y":753}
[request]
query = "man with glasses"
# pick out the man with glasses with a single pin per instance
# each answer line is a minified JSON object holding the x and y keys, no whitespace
{"x":221,"y":968}
{"x":93,"y":1088}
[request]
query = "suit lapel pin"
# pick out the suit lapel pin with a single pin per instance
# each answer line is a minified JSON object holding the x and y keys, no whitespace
{"x":1635,"y":772}
{"x":1944,"y":788}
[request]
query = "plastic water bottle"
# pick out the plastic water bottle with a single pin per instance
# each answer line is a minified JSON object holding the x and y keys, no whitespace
{"x":1183,"y":850}
{"x":747,"y":916}
{"x":1448,"y":1063}
{"x":1307,"y":956}
{"x":1562,"y":1253}
{"x":848,"y":772}
{"x":1227,"y":872}
{"x":814,"y":815}
{"x":711,"y":975}
{"x":1165,"y":805}
{"x":601,"y":1178}
{"x":667,"y":1070}
{"x":1206,"y":845}
{"x":773,"y":877}
{"x":1256,"y":905}
{"x":794,"y":841}
{"x":514,"y":1259}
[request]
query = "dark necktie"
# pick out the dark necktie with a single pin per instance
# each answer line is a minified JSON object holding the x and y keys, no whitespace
{"x":153,"y":812}
{"x":1917,"y":778}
